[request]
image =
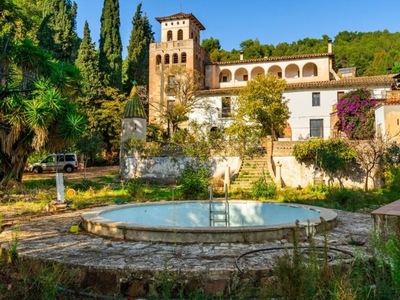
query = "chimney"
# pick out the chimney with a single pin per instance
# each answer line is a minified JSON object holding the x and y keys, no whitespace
{"x":329,"y":46}
{"x":241,"y":55}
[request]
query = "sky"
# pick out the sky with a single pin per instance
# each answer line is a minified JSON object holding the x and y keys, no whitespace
{"x":234,"y":21}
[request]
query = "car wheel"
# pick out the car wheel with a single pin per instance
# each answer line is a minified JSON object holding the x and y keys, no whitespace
{"x":68,"y":168}
{"x":38,"y":170}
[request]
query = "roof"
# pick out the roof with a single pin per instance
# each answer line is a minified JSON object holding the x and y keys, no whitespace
{"x":134,"y":107}
{"x":356,"y":82}
{"x":182,"y":16}
{"x":269,"y":59}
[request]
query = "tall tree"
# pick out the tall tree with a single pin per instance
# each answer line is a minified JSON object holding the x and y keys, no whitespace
{"x":110,"y":45}
{"x":137,"y":60}
{"x":88,"y":63}
{"x":57,"y":31}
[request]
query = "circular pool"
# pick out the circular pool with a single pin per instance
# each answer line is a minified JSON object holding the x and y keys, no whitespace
{"x":201,"y":222}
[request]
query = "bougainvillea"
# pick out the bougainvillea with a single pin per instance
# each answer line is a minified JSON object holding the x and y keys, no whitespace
{"x":356,"y":114}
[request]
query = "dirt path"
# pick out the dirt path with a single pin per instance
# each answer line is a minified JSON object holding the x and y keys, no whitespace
{"x":90,"y":173}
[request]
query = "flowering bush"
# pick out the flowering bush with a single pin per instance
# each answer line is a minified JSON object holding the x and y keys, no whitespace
{"x":356,"y":114}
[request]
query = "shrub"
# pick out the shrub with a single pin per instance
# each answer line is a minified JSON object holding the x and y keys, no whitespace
{"x":194,"y":182}
{"x":262,"y":189}
{"x":135,"y":188}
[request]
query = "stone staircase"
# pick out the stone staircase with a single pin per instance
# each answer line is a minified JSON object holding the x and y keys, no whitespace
{"x":251,"y":170}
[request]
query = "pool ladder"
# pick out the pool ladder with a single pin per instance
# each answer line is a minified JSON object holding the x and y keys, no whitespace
{"x":221,"y":215}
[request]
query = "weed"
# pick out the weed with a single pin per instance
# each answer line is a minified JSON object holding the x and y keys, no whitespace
{"x":262,"y":189}
{"x":136,"y":189}
{"x":12,"y":249}
{"x":194,"y":182}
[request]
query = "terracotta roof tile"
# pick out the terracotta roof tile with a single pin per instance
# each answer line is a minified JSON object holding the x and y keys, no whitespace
{"x":267,"y":59}
{"x":356,"y":82}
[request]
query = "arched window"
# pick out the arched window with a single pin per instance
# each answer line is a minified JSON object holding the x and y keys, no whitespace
{"x":158,"y":59}
{"x":174,"y":58}
{"x":169,"y":35}
{"x":166,"y":59}
{"x":180,"y":34}
{"x":183,"y":58}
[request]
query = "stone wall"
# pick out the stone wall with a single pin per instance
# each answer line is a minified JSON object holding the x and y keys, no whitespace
{"x":167,"y":169}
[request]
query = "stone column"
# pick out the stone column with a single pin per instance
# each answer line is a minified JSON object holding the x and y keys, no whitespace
{"x":278,"y":178}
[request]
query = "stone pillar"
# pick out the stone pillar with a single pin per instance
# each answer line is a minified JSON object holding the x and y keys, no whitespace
{"x":227,"y":179}
{"x":278,"y":178}
{"x":60,"y":187}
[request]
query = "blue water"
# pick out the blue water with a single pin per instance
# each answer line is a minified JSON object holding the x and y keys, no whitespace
{"x":197,"y":214}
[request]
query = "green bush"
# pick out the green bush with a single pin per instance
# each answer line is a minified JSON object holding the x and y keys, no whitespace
{"x":136,"y":188}
{"x":194,"y":182}
{"x":262,"y":189}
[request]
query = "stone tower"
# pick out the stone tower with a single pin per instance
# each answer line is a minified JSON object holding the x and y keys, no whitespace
{"x":180,"y":45}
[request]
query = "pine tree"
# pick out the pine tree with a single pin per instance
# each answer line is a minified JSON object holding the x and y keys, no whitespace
{"x":57,"y":30}
{"x":137,"y":60}
{"x":88,"y":64}
{"x":110,"y":45}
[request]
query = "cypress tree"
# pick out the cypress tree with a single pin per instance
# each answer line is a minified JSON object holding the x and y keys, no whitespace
{"x":110,"y":45}
{"x":88,"y":64}
{"x":57,"y":30}
{"x":137,"y":61}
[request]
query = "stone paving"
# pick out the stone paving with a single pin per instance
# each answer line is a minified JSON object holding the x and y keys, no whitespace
{"x":48,"y":239}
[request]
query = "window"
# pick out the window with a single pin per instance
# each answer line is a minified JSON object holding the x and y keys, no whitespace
{"x":171,"y":80}
{"x":224,"y":78}
{"x":175,"y":58}
{"x":158,"y":60}
{"x":245,"y":77}
{"x":279,"y":74}
{"x":169,"y":35}
{"x":317,"y":128}
{"x":316,"y":99}
{"x":183,"y":58}
{"x":166,"y":59}
{"x":180,"y":34}
{"x":226,"y":107}
{"x":340,"y":96}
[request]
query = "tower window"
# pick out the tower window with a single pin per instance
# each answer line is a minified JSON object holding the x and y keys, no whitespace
{"x":169,"y":35}
{"x":158,"y":60}
{"x":180,"y":34}
{"x":183,"y":58}
{"x":175,"y":58}
{"x":166,"y":59}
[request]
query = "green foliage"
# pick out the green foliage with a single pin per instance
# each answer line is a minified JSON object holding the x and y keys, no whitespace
{"x":137,"y":60}
{"x":194,"y":182}
{"x":262,"y":189}
{"x":135,"y":189}
{"x":333,"y":155}
{"x":261,"y":102}
{"x":396,"y":69}
{"x":210,"y":44}
{"x":57,"y":31}
{"x":110,"y":45}
{"x":90,"y":145}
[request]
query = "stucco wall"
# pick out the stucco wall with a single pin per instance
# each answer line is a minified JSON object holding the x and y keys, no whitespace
{"x":294,"y":174}
{"x":167,"y":169}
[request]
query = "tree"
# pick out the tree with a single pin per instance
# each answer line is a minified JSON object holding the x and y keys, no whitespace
{"x":356,"y":114}
{"x":334,"y":156}
{"x":370,"y":153}
{"x":110,"y":45}
{"x":57,"y":31}
{"x":210,"y":44}
{"x":261,"y":103}
{"x":182,"y":84}
{"x":137,"y":60}
{"x":88,"y":64}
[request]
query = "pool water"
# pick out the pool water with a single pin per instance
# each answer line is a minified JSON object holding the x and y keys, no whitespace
{"x":197,"y":214}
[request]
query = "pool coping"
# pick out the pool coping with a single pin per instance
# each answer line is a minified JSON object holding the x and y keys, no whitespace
{"x":94,"y":223}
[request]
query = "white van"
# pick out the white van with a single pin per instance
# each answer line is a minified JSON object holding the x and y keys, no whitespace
{"x":66,"y":162}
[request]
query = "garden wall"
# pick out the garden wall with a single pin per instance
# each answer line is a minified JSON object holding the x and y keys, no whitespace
{"x":167,"y":169}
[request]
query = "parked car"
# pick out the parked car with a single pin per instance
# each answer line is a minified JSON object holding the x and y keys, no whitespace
{"x":66,"y":162}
